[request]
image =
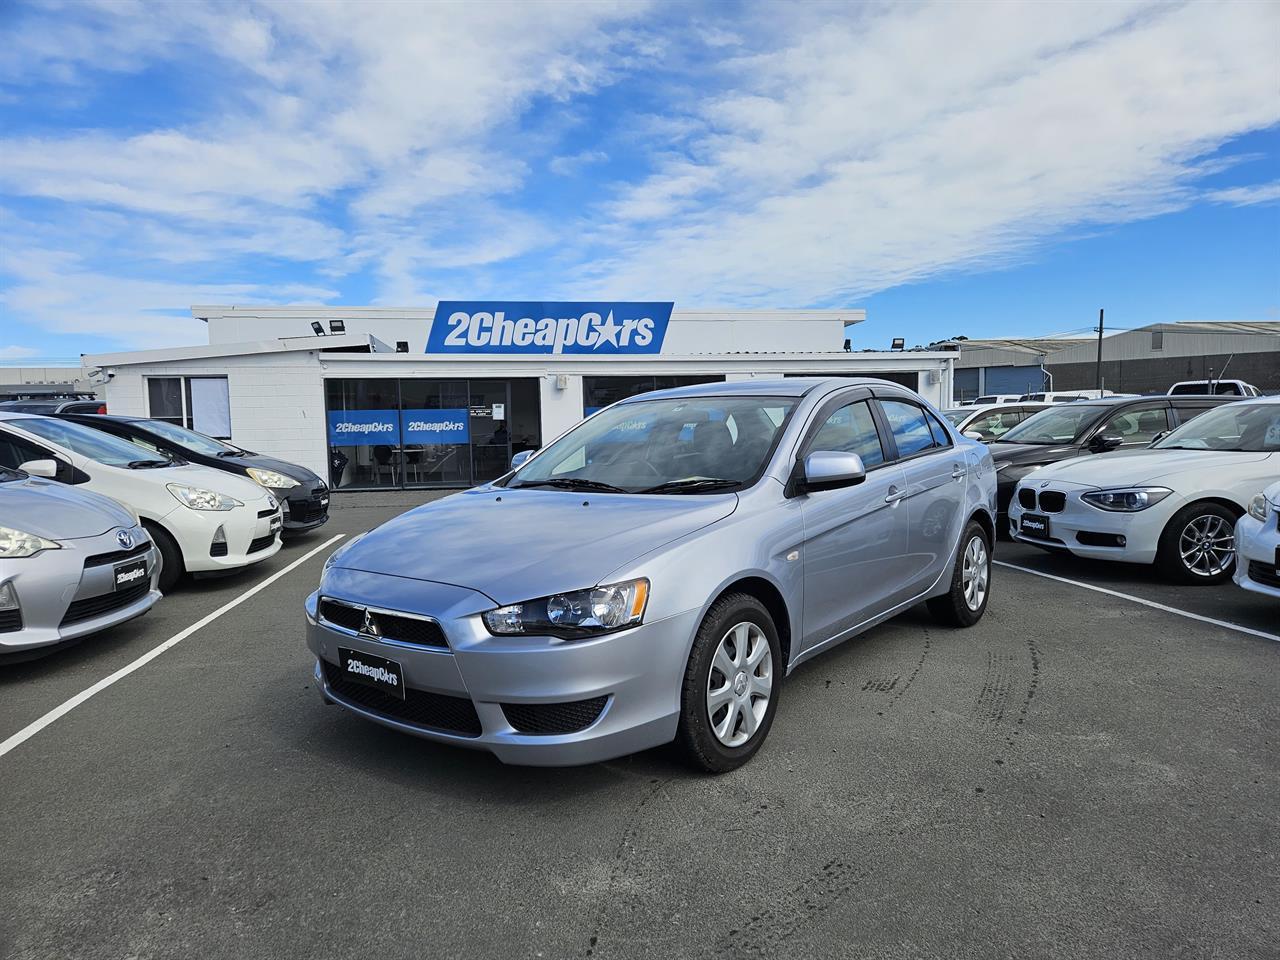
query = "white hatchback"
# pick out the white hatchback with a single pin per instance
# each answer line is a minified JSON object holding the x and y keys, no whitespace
{"x":1174,"y":504}
{"x":201,"y":520}
{"x":1258,"y":544}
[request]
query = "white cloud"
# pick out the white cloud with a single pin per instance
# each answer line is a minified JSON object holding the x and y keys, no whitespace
{"x":16,"y":353}
{"x":571,"y":164}
{"x":1247,"y":196}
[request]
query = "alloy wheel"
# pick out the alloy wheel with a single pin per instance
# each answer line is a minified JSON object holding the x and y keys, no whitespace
{"x":1207,"y":545}
{"x":739,"y":684}
{"x":975,"y":573}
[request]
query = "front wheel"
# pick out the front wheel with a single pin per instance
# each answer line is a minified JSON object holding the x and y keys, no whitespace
{"x":1198,"y":545}
{"x":731,"y":682}
{"x":965,"y":601}
{"x":171,"y":565}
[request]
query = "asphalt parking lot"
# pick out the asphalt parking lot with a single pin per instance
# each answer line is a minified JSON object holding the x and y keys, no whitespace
{"x":1080,"y":775}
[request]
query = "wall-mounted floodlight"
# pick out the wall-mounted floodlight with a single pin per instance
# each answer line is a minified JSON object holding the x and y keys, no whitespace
{"x":337,"y":326}
{"x":898,"y":344}
{"x":848,"y":346}
{"x":316,"y":328}
{"x":402,"y":346}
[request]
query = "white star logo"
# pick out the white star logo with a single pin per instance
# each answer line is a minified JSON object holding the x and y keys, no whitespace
{"x":607,"y":331}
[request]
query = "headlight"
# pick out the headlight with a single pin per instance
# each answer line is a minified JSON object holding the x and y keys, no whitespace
{"x":15,"y":544}
{"x":1258,"y":507}
{"x":1129,"y":500}
{"x":269,"y":478}
{"x":571,"y":616}
{"x":199,"y":499}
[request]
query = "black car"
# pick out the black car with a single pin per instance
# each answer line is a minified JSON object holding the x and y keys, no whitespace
{"x":1082,"y":428}
{"x":303,"y":496}
{"x":50,"y":407}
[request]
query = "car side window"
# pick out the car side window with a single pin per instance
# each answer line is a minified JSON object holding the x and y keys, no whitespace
{"x":995,"y":424}
{"x":1137,"y":425}
{"x":851,"y":429}
{"x":1189,"y":411}
{"x":15,"y":451}
{"x":910,"y":426}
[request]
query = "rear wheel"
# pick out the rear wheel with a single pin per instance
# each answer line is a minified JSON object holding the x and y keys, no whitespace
{"x":171,"y":565}
{"x":730,"y":690}
{"x":1198,"y":545}
{"x":965,"y":601}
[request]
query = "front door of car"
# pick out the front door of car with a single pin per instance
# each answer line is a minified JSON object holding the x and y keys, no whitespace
{"x":1136,"y":426}
{"x":16,"y":450}
{"x":935,"y":472}
{"x":855,"y":538}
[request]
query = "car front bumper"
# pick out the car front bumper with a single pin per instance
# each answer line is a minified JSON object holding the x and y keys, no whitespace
{"x":1258,"y":554}
{"x":252,"y":534}
{"x":69,"y":593}
{"x":1087,"y":531}
{"x":634,"y":676}
{"x":304,"y":507}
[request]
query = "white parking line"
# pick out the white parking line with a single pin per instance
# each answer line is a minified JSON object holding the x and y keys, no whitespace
{"x":31,"y":729}
{"x":1146,"y":603}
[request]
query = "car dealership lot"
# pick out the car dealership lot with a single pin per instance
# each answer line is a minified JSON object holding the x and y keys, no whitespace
{"x":1077,"y":775}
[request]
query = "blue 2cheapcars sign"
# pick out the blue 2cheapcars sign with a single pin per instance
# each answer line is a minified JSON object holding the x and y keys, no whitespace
{"x":435,"y":426}
{"x":356,"y":428}
{"x":550,"y":326}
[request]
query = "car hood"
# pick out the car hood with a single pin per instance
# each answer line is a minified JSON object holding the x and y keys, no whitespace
{"x":197,"y":475}
{"x":304,"y":476}
{"x":56,"y":511}
{"x":514,"y":545}
{"x":1148,"y":466}
{"x":1031,"y":452}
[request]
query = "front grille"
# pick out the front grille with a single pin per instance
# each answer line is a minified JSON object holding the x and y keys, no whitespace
{"x":306,"y":512}
{"x":218,"y":548}
{"x":91,"y":607}
{"x":549,"y":718}
{"x":262,"y":514}
{"x":261,"y":543}
{"x":1264,"y":573}
{"x":10,"y":621}
{"x":1027,"y":498}
{"x":101,"y":559}
{"x":1052,"y":501}
{"x":389,"y":626}
{"x":1091,"y":539}
{"x":432,"y":711}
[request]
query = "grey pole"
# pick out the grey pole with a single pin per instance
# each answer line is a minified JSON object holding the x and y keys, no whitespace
{"x":1098,"y":373}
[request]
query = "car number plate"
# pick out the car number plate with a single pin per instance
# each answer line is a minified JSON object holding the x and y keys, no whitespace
{"x":1034,"y":525}
{"x":276,"y":523}
{"x":370,"y":671}
{"x":127,"y":574}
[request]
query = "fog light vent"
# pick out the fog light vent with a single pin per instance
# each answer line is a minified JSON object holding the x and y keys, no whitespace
{"x":219,"y":546}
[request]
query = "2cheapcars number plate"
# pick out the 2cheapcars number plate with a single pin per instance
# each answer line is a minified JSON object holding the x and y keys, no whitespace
{"x":131,"y":573}
{"x":370,"y":671}
{"x":1034,"y":525}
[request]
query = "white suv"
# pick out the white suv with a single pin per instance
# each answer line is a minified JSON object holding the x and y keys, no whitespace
{"x":201,"y":519}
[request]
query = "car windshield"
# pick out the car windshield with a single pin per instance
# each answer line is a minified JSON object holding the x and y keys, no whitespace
{"x":679,"y":445}
{"x":187,"y":438}
{"x":1247,"y":427}
{"x":91,"y":443}
{"x":7,"y":474}
{"x":1055,"y":425}
{"x":956,"y":416}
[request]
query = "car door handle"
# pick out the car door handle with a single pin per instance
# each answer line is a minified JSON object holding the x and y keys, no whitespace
{"x":894,"y":495}
{"x":957,"y":472}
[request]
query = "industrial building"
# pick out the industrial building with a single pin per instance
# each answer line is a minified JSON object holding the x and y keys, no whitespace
{"x":1143,"y":360}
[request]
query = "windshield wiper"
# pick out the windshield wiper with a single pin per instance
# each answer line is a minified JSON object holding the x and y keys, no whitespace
{"x":147,"y":464}
{"x":571,"y":483}
{"x":692,"y":485}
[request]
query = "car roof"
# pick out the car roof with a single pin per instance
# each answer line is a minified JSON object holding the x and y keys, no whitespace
{"x":98,"y":417}
{"x":776,"y":387}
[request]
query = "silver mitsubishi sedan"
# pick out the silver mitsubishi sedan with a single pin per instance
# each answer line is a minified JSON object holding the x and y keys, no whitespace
{"x":655,"y":573}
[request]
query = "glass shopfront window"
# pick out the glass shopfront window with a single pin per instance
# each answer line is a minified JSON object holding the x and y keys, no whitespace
{"x":428,"y":433}
{"x":598,"y":392}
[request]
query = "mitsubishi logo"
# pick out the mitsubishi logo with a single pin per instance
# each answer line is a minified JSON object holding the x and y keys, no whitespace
{"x":370,"y":627}
{"x":124,"y":538}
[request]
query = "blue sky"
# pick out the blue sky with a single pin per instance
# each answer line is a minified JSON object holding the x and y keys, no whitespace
{"x":991,"y":170}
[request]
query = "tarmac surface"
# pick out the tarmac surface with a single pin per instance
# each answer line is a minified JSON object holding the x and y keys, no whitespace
{"x":1077,"y":776}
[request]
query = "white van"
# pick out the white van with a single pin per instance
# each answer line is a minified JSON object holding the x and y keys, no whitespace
{"x":200,"y":519}
{"x":989,"y":398}
{"x":1068,"y":396}
{"x":1221,"y":388}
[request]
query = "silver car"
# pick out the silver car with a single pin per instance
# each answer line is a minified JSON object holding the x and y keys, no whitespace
{"x":71,"y":563}
{"x":655,"y":572}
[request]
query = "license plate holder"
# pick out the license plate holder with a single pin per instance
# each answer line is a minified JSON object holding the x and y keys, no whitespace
{"x":370,"y":670}
{"x":125,"y":575}
{"x":1034,"y":525}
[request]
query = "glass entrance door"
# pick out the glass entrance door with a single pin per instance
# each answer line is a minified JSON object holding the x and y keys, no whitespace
{"x":490,"y":429}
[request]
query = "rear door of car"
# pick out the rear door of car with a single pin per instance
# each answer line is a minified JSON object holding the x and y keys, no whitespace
{"x":935,"y":471}
{"x":1189,"y":409}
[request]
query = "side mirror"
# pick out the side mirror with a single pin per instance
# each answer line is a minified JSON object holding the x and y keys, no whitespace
{"x":519,"y":459}
{"x":1160,"y":436}
{"x":47,"y":468}
{"x":829,"y":470}
{"x":1105,"y":442}
{"x":974,"y":435}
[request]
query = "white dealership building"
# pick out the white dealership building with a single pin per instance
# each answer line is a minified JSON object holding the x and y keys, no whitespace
{"x":372,"y":397}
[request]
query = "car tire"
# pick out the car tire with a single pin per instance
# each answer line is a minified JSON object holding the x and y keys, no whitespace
{"x":723,"y":721}
{"x":171,"y":565}
{"x":1208,"y":530}
{"x":966,"y":598}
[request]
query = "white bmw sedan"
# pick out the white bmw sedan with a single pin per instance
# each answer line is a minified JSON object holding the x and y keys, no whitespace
{"x":1174,"y":504}
{"x":1258,"y":544}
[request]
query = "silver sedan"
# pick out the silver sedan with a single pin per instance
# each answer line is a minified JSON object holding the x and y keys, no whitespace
{"x":656,"y":572}
{"x":72,"y":563}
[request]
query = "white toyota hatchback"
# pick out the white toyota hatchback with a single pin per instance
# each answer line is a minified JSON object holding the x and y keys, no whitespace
{"x":201,"y":520}
{"x":1174,"y":504}
{"x":1258,"y":544}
